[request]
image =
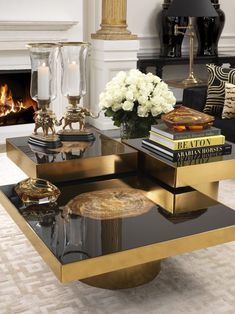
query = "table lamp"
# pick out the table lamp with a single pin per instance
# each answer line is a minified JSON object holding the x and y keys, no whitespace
{"x":190,"y":8}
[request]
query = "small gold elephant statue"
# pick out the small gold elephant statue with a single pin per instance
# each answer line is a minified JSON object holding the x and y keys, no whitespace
{"x":46,"y":121}
{"x":77,"y":115}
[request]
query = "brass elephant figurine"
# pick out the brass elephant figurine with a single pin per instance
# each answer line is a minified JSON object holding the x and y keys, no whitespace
{"x":77,"y":115}
{"x":46,"y":121}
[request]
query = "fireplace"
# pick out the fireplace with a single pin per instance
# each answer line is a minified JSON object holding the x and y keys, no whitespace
{"x":15,"y":59}
{"x":16,"y":105}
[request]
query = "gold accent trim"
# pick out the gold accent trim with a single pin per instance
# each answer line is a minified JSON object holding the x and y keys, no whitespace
{"x":181,"y":84}
{"x":73,"y":43}
{"x":113,"y":35}
{"x":41,"y":45}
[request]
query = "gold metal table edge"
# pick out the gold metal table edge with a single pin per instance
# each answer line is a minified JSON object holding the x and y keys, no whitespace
{"x":33,"y":238}
{"x":213,"y":191}
{"x":182,"y":202}
{"x":120,"y":260}
{"x":146,"y":254}
{"x":207,"y":172}
{"x":77,"y":168}
{"x":187,"y":175}
{"x":21,"y":160}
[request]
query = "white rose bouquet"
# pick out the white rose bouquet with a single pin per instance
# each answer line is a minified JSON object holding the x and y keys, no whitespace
{"x":137,"y":98}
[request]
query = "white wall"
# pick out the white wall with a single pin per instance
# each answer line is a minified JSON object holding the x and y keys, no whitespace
{"x":45,"y":10}
{"x":141,"y":19}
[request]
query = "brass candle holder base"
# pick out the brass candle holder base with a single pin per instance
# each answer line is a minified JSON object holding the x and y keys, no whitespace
{"x":51,"y":141}
{"x":76,"y":135}
{"x":75,"y":114}
{"x":46,"y":120}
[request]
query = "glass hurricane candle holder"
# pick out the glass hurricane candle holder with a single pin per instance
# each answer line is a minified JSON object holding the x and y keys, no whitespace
{"x":43,"y":58}
{"x":73,"y":87}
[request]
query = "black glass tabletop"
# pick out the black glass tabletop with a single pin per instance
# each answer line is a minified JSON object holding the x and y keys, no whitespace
{"x":70,"y":150}
{"x":73,"y":238}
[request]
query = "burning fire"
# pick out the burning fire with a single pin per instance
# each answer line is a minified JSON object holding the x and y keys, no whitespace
{"x":8,"y":105}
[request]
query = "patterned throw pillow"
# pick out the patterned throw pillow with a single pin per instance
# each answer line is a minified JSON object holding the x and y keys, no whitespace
{"x":229,"y":103}
{"x":217,"y":77}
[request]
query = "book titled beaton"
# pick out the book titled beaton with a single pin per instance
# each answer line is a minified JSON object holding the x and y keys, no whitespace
{"x":188,"y":143}
{"x":163,"y":130}
{"x":176,"y":155}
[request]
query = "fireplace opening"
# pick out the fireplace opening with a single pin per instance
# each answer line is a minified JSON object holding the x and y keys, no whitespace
{"x":16,"y":105}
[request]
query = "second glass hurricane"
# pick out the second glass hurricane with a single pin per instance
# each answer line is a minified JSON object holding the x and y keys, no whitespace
{"x":73,"y":82}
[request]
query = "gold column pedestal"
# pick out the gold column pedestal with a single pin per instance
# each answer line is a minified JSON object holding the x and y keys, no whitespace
{"x":126,"y":278}
{"x":113,"y":25}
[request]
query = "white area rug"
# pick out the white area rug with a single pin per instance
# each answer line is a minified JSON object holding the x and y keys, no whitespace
{"x":201,"y":282}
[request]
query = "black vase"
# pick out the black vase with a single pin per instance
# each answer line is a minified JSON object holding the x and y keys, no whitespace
{"x":169,"y":43}
{"x":208,"y":31}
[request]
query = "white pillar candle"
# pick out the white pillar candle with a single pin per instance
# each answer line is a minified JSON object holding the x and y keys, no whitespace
{"x":43,"y":82}
{"x":73,"y":79}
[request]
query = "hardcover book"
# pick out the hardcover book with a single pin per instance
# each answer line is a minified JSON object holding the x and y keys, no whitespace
{"x":163,"y":130}
{"x":176,"y":155}
{"x":203,"y":141}
{"x":189,"y":160}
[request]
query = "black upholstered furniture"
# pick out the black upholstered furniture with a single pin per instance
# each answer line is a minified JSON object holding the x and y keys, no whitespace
{"x":195,"y":98}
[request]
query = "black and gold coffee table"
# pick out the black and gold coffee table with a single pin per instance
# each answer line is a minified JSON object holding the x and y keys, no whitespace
{"x":115,"y":253}
{"x":121,"y":252}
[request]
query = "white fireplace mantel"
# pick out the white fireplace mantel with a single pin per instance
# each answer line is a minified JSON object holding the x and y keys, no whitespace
{"x":36,"y":25}
{"x":14,"y":35}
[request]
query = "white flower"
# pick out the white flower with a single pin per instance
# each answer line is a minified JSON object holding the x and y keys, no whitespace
{"x":142,"y":99}
{"x":116,"y":106}
{"x":156,"y":111}
{"x":142,"y":111}
{"x":129,"y":95}
{"x":128,"y":105}
{"x":147,"y":93}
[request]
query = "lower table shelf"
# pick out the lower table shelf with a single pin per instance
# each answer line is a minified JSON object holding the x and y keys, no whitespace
{"x":78,"y":247}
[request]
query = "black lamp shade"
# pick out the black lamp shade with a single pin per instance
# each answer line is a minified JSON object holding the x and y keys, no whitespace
{"x":194,"y":8}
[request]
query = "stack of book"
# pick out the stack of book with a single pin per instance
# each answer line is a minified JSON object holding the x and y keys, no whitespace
{"x":185,"y":145}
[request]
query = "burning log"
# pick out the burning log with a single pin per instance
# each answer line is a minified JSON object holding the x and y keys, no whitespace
{"x":14,"y":111}
{"x":23,"y":116}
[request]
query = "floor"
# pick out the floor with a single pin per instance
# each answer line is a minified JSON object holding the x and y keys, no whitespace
{"x":200,"y":282}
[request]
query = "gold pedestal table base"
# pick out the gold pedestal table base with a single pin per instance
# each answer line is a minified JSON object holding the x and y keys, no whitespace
{"x":126,"y":278}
